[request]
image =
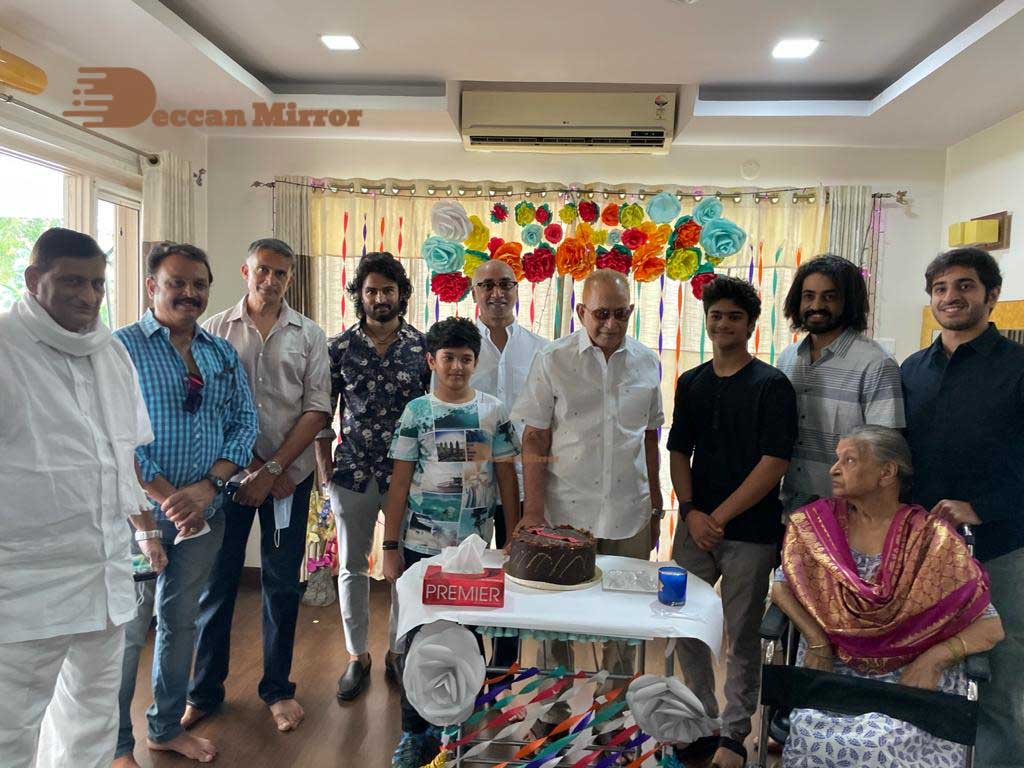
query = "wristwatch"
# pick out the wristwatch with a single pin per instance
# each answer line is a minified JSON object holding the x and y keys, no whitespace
{"x":152,"y":533}
{"x":658,"y":512}
{"x":273,"y":468}
{"x":217,"y":483}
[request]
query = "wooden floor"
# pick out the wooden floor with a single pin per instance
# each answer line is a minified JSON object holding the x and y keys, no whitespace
{"x":359,"y":734}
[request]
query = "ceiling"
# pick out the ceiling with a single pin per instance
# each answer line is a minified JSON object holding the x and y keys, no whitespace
{"x":913,"y":73}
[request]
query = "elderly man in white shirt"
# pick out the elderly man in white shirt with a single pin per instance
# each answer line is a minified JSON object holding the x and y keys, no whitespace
{"x":592,"y":408}
{"x":73,"y":415}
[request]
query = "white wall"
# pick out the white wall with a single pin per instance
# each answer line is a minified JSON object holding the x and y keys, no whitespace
{"x":985,"y":174}
{"x":239,"y":213}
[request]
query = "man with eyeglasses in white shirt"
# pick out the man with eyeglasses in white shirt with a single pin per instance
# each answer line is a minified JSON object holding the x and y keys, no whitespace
{"x":592,"y":408}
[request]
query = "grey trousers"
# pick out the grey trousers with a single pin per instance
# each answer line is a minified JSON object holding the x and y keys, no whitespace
{"x":1001,"y":721}
{"x":745,"y":570}
{"x":617,"y":657}
{"x":355,"y":517}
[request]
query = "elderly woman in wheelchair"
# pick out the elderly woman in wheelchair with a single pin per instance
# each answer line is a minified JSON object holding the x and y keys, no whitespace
{"x":883,"y":591}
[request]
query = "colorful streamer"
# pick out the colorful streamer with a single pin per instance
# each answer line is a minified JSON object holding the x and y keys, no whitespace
{"x":775,"y":288}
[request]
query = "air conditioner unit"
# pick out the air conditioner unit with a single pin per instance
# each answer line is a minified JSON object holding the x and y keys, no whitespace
{"x":638,"y":122}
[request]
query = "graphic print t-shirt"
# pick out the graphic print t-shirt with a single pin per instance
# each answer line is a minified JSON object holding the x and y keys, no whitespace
{"x":453,"y":492}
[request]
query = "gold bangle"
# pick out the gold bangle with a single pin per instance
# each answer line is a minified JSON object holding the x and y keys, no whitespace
{"x":817,"y":647}
{"x":954,"y":655}
{"x":964,"y":644}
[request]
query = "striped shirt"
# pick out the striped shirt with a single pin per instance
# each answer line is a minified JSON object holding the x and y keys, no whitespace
{"x":188,"y":444}
{"x":853,"y":382}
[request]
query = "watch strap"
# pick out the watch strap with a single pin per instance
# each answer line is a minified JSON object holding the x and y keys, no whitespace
{"x":152,"y":533}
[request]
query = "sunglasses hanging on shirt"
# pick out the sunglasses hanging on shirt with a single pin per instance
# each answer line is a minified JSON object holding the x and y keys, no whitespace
{"x":193,"y":393}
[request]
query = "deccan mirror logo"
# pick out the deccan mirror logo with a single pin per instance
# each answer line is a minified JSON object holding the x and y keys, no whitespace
{"x":123,"y":97}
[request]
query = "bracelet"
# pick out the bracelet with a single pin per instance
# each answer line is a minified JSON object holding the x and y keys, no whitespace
{"x":819,"y":646}
{"x":955,"y":657}
{"x":152,"y":533}
{"x":963,"y":644}
{"x":389,"y":544}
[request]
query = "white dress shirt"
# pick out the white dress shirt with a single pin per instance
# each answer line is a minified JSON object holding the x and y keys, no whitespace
{"x":502,"y":373}
{"x":598,"y":412}
{"x":289,"y":375}
{"x":65,"y":548}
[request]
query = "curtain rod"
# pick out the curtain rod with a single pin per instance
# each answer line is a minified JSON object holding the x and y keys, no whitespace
{"x":435,"y":190}
{"x":8,"y":99}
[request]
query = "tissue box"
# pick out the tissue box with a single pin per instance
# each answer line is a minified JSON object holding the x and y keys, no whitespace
{"x":482,"y":590}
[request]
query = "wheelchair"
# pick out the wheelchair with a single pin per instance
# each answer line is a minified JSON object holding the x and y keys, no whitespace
{"x":785,"y":687}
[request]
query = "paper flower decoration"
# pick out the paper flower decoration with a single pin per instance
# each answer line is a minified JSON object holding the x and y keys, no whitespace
{"x":499,"y":213}
{"x":610,"y":215}
{"x":647,"y":263}
{"x":666,"y":709}
{"x":567,"y":213}
{"x":448,"y":219}
{"x":450,"y":286}
{"x":539,"y":265}
{"x":575,"y":258}
{"x":553,"y":233}
{"x":631,"y":215}
{"x":686,"y":234}
{"x":698,"y":282}
{"x":532,"y":234}
{"x":617,"y":258}
{"x":588,"y":211}
{"x":442,"y":255}
{"x":443,"y":673}
{"x":614,"y":235}
{"x":542,"y":215}
{"x":493,"y":244}
{"x":721,"y":238}
{"x":656,"y":233}
{"x":511,"y":254}
{"x":706,"y":210}
{"x":633,"y":238}
{"x":584,"y":232}
{"x":682,"y":263}
{"x":477,"y":239}
{"x":599,"y":236}
{"x":473,"y":260}
{"x":524,"y":213}
{"x":663,"y":208}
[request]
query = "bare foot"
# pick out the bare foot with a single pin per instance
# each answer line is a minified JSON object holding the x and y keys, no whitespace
{"x":287,"y":714}
{"x":726,"y":758}
{"x":192,"y":716}
{"x":125,"y":761}
{"x":192,"y":747}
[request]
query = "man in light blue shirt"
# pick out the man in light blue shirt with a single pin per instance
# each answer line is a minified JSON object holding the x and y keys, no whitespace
{"x":201,"y":409}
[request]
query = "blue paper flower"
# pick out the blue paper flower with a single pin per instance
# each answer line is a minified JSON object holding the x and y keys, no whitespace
{"x":720,"y":238}
{"x":614,"y":238}
{"x":442,"y":255}
{"x":532,"y":234}
{"x":663,"y":208}
{"x":706,"y":210}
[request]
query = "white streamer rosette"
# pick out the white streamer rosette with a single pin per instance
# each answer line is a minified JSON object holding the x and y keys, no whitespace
{"x":443,"y":673}
{"x":450,"y":220}
{"x":666,"y":709}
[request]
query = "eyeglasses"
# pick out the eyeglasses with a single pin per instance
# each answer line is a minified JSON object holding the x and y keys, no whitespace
{"x":601,"y":315}
{"x":193,"y":393}
{"x":490,"y":285}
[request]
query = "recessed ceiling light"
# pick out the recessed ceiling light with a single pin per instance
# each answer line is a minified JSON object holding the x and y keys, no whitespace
{"x":795,"y":48}
{"x":340,"y":42}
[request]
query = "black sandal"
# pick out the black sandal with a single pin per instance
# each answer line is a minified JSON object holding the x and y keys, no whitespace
{"x":733,"y":746}
{"x":698,"y":751}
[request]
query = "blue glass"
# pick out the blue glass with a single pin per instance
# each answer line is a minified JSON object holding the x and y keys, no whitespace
{"x":672,"y":585}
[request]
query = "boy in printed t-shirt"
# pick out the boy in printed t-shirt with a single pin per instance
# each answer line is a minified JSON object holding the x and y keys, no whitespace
{"x":453,"y":455}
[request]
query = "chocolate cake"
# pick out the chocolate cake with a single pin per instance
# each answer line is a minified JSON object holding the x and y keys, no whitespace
{"x":560,"y":555}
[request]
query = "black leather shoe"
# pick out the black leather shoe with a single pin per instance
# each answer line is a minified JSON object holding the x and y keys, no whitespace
{"x":391,"y":671}
{"x":351,"y":684}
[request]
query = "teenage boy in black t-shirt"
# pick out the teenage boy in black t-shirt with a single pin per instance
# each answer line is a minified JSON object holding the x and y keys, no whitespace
{"x":736,"y":418}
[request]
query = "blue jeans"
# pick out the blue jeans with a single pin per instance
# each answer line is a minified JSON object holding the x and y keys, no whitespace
{"x":175,"y":593}
{"x":282,"y":591}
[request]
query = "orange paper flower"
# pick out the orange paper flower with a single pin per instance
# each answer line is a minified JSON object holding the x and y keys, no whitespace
{"x":647,"y":264}
{"x":610,"y":215}
{"x":575,"y":258}
{"x":511,"y":254}
{"x":656,"y":233}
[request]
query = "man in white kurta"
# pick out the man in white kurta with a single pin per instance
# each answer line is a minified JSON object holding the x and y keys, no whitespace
{"x":71,"y":416}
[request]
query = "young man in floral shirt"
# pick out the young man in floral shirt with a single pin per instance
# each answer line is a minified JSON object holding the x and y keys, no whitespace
{"x":377,"y":367}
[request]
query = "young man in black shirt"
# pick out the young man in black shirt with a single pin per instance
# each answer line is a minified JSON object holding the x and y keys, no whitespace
{"x":736,"y":418}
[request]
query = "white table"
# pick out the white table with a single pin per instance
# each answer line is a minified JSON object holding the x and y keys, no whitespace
{"x":590,"y":611}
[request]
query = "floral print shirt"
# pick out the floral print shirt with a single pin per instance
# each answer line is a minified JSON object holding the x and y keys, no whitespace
{"x":371,"y":392}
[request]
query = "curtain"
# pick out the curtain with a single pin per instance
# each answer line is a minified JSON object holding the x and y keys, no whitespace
{"x":668,"y":319}
{"x":855,"y":227}
{"x":292,"y":224}
{"x":167,"y":200}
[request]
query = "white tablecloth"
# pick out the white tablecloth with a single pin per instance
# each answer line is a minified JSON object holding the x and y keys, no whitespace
{"x":591,"y":611}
